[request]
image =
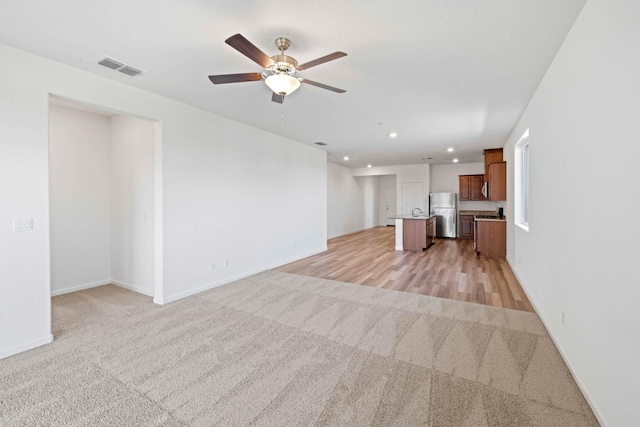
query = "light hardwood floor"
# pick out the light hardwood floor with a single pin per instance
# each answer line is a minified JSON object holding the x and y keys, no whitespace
{"x":449,"y":269}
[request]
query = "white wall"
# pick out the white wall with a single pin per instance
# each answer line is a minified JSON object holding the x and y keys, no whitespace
{"x":581,"y":255}
{"x":370,"y":192}
{"x":345,"y":204}
{"x":409,"y":173}
{"x":444,"y":178}
{"x":385,"y":182}
{"x":79,"y":199}
{"x":132,"y":210}
{"x":230,"y":191}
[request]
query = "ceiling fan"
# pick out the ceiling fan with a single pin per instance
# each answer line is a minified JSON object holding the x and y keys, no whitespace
{"x":279,"y":70}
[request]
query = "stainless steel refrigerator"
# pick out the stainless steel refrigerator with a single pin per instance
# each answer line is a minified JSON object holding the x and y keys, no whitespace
{"x":444,"y":207}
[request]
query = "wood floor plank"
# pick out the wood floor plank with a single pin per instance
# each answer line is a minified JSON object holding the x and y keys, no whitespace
{"x":449,"y":269}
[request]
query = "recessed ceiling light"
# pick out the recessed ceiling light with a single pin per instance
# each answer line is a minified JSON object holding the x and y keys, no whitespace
{"x":450,"y":149}
{"x":393,"y":135}
{"x":346,"y":157}
{"x":455,"y":160}
{"x":368,"y":166}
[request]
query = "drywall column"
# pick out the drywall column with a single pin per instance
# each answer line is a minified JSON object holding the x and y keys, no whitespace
{"x":158,"y":221}
{"x":25,"y":291}
{"x":132,"y":204}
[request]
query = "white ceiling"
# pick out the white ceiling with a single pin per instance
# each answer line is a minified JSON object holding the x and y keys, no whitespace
{"x":440,"y":73}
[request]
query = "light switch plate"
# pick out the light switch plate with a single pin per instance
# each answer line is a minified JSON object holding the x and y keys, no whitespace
{"x":23,"y":224}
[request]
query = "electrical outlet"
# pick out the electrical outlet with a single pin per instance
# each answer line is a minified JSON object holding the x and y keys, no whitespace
{"x":564,"y":318}
{"x":23,"y":224}
{"x":519,"y":260}
{"x":226,"y":262}
{"x":213,"y":266}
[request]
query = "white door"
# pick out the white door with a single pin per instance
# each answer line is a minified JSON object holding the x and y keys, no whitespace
{"x":392,"y":203}
{"x":412,"y":197}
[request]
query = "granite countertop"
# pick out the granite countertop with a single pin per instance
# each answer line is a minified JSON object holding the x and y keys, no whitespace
{"x":475,"y":213}
{"x":408,"y":216}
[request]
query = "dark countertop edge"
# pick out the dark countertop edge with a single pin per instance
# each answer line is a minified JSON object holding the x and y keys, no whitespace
{"x":503,"y":219}
{"x":474,"y":213}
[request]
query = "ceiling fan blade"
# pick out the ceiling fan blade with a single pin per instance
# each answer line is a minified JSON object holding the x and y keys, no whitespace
{"x":248,"y":49}
{"x":326,"y":58}
{"x":235,"y":78}
{"x":323,"y":86}
{"x":277,"y":98}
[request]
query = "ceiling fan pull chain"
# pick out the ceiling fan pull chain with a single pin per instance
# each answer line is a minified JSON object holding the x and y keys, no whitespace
{"x":282,"y":121}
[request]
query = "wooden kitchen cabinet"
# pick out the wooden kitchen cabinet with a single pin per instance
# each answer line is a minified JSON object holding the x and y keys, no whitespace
{"x":476,"y":187}
{"x":466,"y":227}
{"x":498,"y":181}
{"x":464,"y":187}
{"x":491,"y":238}
{"x":418,"y":234}
{"x":470,"y":187}
{"x":491,"y":155}
{"x":414,"y":234}
{"x":495,"y":174}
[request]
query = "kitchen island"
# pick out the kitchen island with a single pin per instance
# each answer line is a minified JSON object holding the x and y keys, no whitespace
{"x":415,"y":233}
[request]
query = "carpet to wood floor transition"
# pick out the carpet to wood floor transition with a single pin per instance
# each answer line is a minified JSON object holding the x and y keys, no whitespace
{"x":279,"y":349}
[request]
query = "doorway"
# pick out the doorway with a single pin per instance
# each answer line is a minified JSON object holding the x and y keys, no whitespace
{"x":391,"y":205}
{"x":105,"y":219}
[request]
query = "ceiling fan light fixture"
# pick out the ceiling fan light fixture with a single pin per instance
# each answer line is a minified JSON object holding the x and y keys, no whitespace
{"x":282,"y":84}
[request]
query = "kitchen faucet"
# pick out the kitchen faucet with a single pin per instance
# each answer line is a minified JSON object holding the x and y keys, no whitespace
{"x":414,"y":209}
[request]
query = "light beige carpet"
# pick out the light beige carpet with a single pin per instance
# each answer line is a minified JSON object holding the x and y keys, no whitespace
{"x":279,"y":349}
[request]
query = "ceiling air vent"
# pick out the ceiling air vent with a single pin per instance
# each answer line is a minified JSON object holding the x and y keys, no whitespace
{"x":320,"y":143}
{"x":130,"y":71}
{"x":110,"y":63}
{"x":119,"y":66}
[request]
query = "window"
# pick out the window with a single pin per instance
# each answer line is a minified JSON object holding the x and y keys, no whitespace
{"x":522,"y":182}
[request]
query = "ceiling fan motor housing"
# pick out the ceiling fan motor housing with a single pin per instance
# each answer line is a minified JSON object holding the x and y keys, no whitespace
{"x":283,"y":64}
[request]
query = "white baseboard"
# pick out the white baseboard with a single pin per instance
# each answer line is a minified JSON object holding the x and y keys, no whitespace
{"x":185,"y":294}
{"x":131,"y":287}
{"x":80,"y":287}
{"x":25,"y":346}
{"x":562,"y":354}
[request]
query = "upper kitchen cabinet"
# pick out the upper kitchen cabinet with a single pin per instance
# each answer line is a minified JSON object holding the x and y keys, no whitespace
{"x":471,"y":187}
{"x":498,"y":181}
{"x":495,"y":175}
{"x":491,"y":155}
